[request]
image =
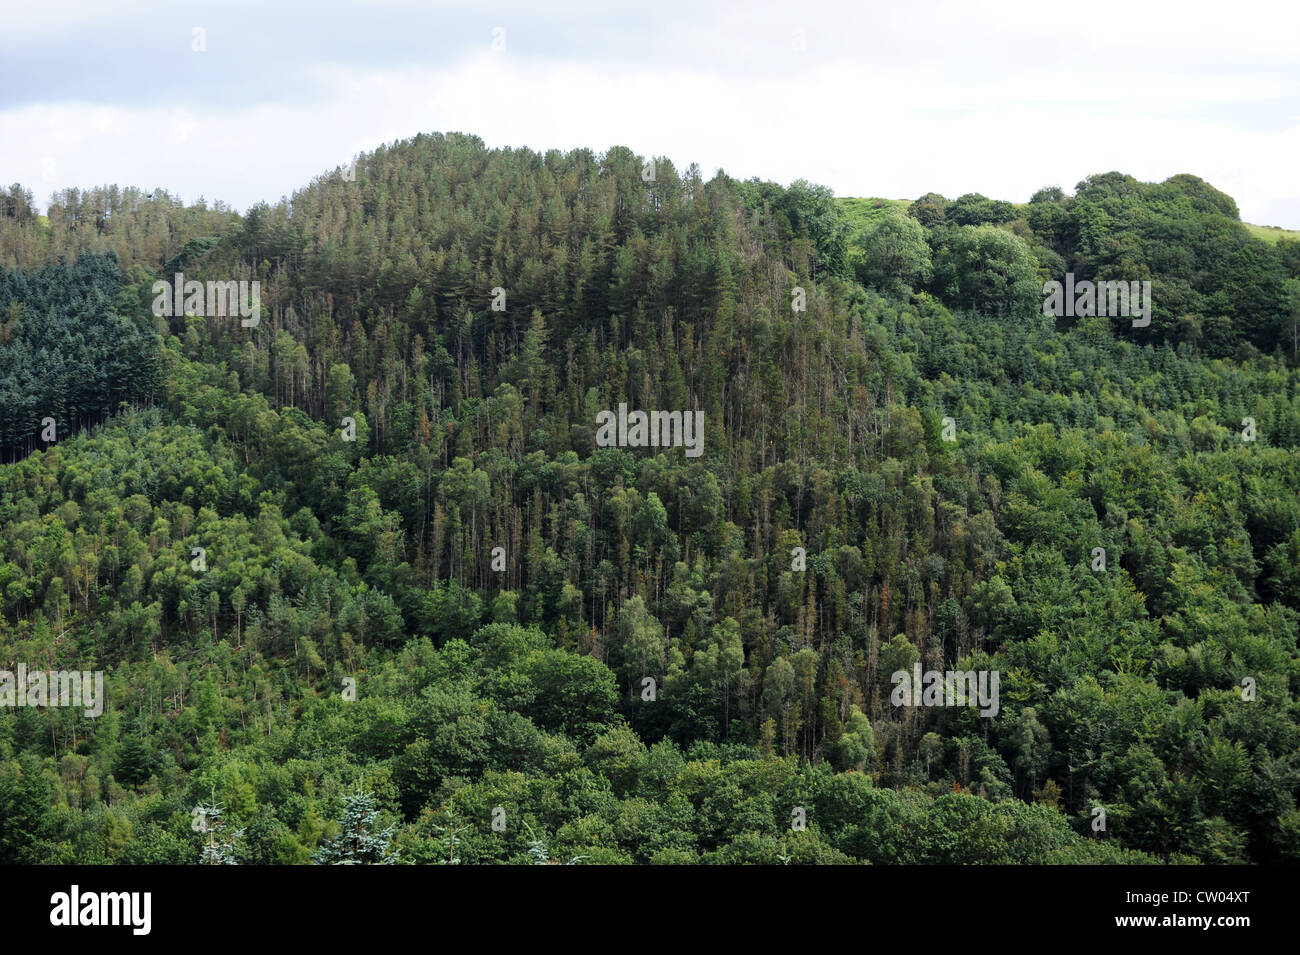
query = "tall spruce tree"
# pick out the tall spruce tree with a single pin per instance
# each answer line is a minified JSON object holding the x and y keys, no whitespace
{"x":358,"y":844}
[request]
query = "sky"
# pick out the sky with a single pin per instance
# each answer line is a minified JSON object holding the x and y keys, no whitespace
{"x":871,"y":98}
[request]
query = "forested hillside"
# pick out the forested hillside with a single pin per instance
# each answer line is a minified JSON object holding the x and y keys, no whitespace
{"x":373,"y":545}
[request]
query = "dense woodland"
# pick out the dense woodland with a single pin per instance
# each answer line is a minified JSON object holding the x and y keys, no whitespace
{"x":326,"y":560}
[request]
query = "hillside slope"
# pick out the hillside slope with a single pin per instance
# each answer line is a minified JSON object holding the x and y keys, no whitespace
{"x":904,"y":464}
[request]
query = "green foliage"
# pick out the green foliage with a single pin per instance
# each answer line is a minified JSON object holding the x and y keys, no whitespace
{"x":989,"y":270}
{"x":894,"y":255}
{"x":65,"y":354}
{"x":332,"y":563}
{"x":359,"y":842}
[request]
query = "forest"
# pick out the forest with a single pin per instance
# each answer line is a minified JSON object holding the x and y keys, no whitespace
{"x":366,"y":586}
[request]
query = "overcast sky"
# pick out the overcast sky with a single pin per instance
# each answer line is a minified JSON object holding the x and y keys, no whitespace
{"x":884,"y":99}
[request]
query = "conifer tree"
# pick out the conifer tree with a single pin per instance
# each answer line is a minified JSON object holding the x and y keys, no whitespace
{"x":219,"y":849}
{"x":358,"y":843}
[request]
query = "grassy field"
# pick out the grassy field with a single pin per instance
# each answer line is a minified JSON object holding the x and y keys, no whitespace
{"x":1271,"y":233}
{"x":863,"y":211}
